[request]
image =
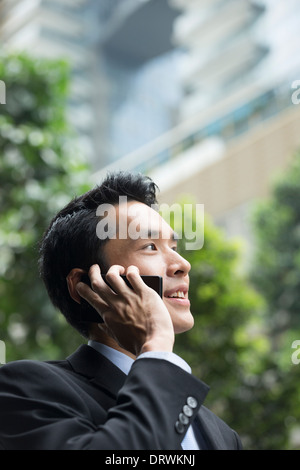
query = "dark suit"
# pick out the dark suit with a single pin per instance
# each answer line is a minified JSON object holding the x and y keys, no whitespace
{"x":85,"y":402}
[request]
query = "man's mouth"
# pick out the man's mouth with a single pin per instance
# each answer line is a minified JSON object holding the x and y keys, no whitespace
{"x":179,"y":295}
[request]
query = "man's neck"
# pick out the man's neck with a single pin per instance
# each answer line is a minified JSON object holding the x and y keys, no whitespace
{"x":97,"y":333}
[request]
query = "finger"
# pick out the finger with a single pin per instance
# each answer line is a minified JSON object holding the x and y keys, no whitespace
{"x":99,"y":285}
{"x":113,"y":277}
{"x":93,"y":298}
{"x":133,"y":276}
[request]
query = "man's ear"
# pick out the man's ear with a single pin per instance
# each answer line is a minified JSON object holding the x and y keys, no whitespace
{"x":75,"y":276}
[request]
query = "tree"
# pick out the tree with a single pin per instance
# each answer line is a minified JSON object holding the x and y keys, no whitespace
{"x":276,"y":274}
{"x":40,"y":170}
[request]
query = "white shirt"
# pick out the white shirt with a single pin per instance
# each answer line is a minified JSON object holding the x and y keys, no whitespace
{"x":124,"y":363}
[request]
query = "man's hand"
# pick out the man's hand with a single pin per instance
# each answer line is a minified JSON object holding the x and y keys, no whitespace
{"x":136,"y":318}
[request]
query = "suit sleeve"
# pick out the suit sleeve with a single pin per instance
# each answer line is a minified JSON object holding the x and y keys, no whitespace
{"x":40,"y":408}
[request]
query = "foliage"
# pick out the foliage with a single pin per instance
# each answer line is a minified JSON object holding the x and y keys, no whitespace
{"x":40,"y":170}
{"x":276,"y":274}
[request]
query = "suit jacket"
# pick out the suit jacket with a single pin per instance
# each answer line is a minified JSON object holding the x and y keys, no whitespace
{"x":86,"y":402}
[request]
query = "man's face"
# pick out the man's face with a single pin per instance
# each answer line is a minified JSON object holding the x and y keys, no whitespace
{"x":155,"y":255}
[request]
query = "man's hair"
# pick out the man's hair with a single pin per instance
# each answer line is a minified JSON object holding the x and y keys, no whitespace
{"x":71,"y":240}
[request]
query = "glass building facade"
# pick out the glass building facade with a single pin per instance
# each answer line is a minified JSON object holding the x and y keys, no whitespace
{"x":124,"y":82}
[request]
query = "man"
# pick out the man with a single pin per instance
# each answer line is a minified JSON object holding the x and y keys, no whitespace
{"x":125,"y":389}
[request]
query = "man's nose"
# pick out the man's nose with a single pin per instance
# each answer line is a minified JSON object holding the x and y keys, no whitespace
{"x":178,"y":265}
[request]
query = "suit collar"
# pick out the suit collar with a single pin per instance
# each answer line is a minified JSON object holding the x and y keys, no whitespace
{"x":121,"y":360}
{"x":98,"y":369}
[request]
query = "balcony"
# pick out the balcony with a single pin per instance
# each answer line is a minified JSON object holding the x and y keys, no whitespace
{"x":225,"y":64}
{"x":198,"y":140}
{"x":195,"y":30}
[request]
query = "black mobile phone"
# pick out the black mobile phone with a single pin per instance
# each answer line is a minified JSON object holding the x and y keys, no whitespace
{"x":89,"y":314}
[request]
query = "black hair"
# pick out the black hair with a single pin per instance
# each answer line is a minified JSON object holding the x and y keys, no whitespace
{"x":71,"y":240}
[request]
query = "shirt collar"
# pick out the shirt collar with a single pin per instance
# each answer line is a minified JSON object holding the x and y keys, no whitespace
{"x":119,"y":359}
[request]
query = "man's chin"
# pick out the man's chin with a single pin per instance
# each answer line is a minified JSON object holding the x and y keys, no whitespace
{"x":184,"y":323}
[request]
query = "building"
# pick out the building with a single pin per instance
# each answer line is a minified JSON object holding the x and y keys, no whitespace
{"x":124,"y":90}
{"x":238,"y":125}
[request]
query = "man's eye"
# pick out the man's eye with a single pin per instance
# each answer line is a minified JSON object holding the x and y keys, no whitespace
{"x":150,"y":247}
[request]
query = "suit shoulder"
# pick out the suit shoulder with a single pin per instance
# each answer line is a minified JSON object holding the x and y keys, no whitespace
{"x":21,"y":364}
{"x":26,"y":370}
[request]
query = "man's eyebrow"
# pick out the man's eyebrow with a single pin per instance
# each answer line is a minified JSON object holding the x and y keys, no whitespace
{"x":156,"y":234}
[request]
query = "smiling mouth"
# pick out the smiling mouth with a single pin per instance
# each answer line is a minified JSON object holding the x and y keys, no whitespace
{"x":178,"y":297}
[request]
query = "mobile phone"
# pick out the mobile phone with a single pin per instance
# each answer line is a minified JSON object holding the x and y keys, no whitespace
{"x":89,"y":314}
